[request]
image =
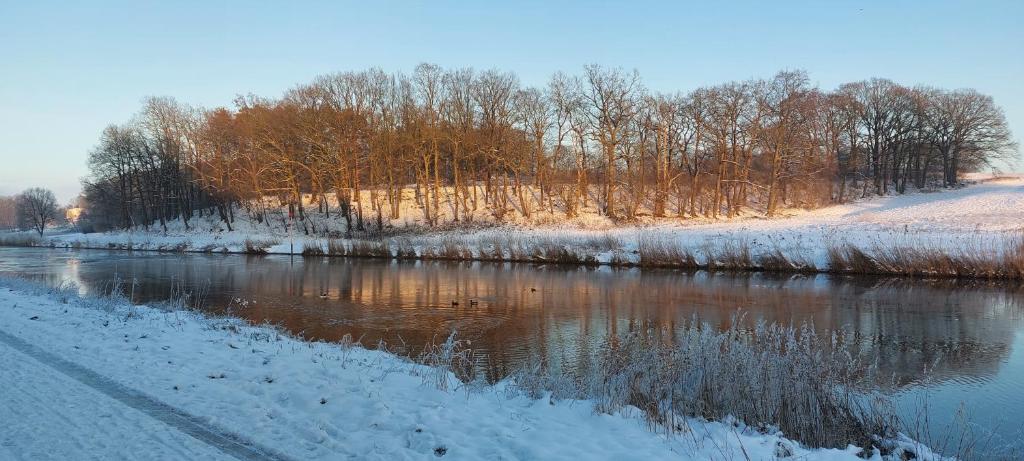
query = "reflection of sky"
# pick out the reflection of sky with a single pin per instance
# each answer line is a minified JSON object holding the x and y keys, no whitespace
{"x":968,"y":334}
{"x":973,"y":396}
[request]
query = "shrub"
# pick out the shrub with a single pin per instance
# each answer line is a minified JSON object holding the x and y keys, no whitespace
{"x":312,"y":248}
{"x":664,"y":253}
{"x":812,"y":389}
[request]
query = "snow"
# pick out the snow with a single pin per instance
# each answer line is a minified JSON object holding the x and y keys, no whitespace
{"x":981,"y":216}
{"x":47,"y":415}
{"x":306,"y":400}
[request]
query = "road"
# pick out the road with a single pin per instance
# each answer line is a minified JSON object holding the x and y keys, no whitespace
{"x":54,"y":409}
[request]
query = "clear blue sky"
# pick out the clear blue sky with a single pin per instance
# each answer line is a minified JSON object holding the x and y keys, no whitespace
{"x":69,"y":69}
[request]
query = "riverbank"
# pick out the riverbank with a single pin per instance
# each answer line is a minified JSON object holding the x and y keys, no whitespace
{"x":328,"y":401}
{"x":973,"y":232}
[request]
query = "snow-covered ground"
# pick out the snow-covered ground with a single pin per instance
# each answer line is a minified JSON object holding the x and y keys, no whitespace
{"x":304,"y":400}
{"x":980,"y":216}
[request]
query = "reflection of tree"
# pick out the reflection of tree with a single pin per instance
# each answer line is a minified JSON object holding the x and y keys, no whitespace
{"x":959,"y":327}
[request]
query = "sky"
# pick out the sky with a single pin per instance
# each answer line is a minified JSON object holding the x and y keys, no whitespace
{"x":68,"y":69}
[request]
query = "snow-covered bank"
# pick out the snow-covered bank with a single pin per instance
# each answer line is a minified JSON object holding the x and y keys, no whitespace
{"x":981,"y":219}
{"x":332,"y":401}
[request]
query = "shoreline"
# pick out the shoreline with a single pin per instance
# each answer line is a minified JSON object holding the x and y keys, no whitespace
{"x":973,"y":261}
{"x":315,"y":400}
{"x":974,"y":232}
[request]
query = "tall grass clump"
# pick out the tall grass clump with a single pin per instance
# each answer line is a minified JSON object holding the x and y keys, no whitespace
{"x":969,"y":259}
{"x":404,"y":249}
{"x":777,"y":260}
{"x":448,"y":249}
{"x":1013,"y":255}
{"x":491,"y":249}
{"x":336,"y":247}
{"x":312,"y":248}
{"x":552,"y":251}
{"x":19,"y":239}
{"x":656,"y":252}
{"x":813,"y":389}
{"x":731,"y":255}
{"x":519,"y":249}
{"x":602,"y":243}
{"x":451,"y":363}
{"x":370,"y":249}
{"x":846,"y":258}
{"x":257,"y":247}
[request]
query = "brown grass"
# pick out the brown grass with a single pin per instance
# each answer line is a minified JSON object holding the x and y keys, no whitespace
{"x":370,"y":249}
{"x":404,"y":250}
{"x":556,"y":253}
{"x":312,"y":249}
{"x":336,"y":247}
{"x":972,"y":259}
{"x":257,"y":247}
{"x":664,"y":253}
{"x":778,"y":261}
{"x":733,"y":255}
{"x":449,"y":249}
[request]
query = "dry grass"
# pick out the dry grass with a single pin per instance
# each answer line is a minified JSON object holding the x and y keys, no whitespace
{"x":972,"y":259}
{"x":370,"y":249}
{"x":732,"y":255}
{"x":601,"y":243}
{"x":19,"y":239}
{"x":312,"y":248}
{"x":404,"y":250}
{"x":849,"y":259}
{"x":257,"y":247}
{"x":656,"y":252}
{"x":451,"y":363}
{"x":336,"y":247}
{"x":550,"y":251}
{"x":491,"y":249}
{"x":777,"y":260}
{"x":519,"y":249}
{"x":811,"y":388}
{"x":449,"y":249}
{"x":359,"y":248}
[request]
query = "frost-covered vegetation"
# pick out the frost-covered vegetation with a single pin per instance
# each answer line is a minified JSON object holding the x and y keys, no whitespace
{"x":19,"y":239}
{"x":813,"y":388}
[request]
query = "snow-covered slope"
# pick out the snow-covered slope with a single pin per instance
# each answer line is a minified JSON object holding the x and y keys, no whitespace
{"x":982,"y":215}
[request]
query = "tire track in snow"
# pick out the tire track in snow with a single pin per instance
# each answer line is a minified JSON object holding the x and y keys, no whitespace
{"x":225,"y":441}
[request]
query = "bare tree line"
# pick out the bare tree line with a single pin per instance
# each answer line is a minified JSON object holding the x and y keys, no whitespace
{"x":34,"y":208}
{"x":464,"y":141}
{"x":8,"y":213}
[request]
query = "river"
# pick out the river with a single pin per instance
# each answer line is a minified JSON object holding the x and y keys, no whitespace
{"x":969,"y":335}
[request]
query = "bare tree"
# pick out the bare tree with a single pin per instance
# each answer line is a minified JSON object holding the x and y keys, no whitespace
{"x":458,"y":141}
{"x":612,"y":97}
{"x":37,"y":208}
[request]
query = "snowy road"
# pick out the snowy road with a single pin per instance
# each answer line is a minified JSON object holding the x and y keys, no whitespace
{"x":54,"y":409}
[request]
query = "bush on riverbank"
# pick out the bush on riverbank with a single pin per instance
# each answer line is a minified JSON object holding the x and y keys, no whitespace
{"x":811,"y":388}
{"x":19,"y":239}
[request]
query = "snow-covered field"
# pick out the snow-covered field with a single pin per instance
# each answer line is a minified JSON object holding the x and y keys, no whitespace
{"x":304,"y":400}
{"x":981,"y":216}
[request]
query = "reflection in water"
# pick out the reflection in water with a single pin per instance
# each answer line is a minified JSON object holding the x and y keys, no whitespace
{"x":964,"y":332}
